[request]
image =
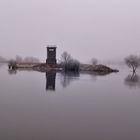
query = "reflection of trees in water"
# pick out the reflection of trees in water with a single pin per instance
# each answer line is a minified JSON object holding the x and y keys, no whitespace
{"x":12,"y":71}
{"x":65,"y":79}
{"x":132,"y":80}
{"x":68,"y":77}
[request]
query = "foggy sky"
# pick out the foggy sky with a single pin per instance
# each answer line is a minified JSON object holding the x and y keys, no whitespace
{"x":104,"y":29}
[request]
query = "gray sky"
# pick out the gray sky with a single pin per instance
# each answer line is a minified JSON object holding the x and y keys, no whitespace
{"x":104,"y":29}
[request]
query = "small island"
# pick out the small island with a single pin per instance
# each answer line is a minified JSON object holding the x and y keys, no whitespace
{"x":67,"y":64}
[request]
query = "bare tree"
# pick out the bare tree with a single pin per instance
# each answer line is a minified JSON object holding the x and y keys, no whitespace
{"x":69,"y":64}
{"x":65,"y":57}
{"x":133,"y":62}
{"x":94,"y":61}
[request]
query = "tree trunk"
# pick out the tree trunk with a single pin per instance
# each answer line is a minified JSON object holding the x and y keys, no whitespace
{"x":134,"y":70}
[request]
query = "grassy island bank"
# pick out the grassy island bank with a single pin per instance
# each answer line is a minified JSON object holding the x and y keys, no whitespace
{"x":43,"y":67}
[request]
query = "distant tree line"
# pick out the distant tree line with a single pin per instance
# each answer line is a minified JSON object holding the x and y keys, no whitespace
{"x":12,"y":63}
{"x":28,"y":59}
{"x":132,"y":61}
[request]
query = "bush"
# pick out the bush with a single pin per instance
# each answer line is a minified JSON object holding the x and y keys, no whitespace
{"x":69,"y":64}
{"x":72,"y":65}
{"x":12,"y":64}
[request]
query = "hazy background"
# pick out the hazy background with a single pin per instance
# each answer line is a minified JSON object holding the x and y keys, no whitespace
{"x":104,"y":29}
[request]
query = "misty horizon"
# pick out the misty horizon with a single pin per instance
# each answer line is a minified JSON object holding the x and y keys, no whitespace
{"x":106,"y":30}
{"x":70,"y":69}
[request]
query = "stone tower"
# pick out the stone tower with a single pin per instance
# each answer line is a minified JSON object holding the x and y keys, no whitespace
{"x":51,"y":55}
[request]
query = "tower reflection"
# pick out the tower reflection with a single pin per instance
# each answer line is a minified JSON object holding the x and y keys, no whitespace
{"x":50,"y":80}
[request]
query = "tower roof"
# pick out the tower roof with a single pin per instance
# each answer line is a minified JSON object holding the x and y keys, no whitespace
{"x":51,"y":46}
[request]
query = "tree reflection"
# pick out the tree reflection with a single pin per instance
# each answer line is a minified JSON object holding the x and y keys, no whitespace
{"x":68,"y":77}
{"x":65,"y":78}
{"x":132,"y":80}
{"x":12,"y":71}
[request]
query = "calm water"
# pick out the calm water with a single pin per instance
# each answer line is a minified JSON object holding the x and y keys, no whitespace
{"x":53,"y":106}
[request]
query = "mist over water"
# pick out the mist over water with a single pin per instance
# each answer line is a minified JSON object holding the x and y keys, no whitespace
{"x":69,"y":106}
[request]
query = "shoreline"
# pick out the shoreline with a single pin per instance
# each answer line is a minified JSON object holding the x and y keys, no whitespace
{"x":86,"y":68}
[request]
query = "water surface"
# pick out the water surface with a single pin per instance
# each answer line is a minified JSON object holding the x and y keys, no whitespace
{"x":54,"y":106}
